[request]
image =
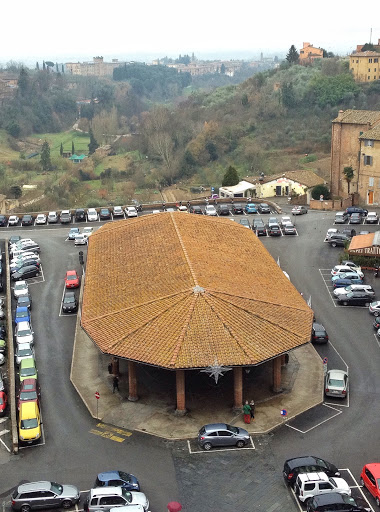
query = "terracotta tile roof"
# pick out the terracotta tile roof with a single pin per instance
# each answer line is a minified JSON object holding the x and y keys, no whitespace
{"x":358,"y":117}
{"x":373,"y":134}
{"x":368,"y":53}
{"x":179,"y":291}
{"x":361,"y":241}
{"x":305,"y":177}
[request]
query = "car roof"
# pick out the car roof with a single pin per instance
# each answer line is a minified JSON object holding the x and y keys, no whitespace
{"x":32,"y":486}
{"x":318,"y":326}
{"x":300,"y":461}
{"x":313,"y":477}
{"x":336,"y":374}
{"x":108,"y":475}
{"x":330,"y":498}
{"x":21,"y":309}
{"x":105,"y":491}
{"x":374,"y":467}
{"x":23,"y":325}
{"x":215,"y":426}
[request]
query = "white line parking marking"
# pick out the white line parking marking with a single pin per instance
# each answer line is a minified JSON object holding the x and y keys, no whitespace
{"x":357,"y":485}
{"x":318,"y":424}
{"x":234,"y":448}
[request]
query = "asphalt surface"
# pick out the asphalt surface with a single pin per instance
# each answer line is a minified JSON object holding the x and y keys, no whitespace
{"x":344,"y":432}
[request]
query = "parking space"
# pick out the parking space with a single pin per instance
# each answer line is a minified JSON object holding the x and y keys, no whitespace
{"x":326,"y":276}
{"x":194,"y":448}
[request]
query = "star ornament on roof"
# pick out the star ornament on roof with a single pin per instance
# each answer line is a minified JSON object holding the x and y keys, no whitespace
{"x":216,"y":370}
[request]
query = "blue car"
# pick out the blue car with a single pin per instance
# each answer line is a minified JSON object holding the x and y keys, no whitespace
{"x":117,"y":479}
{"x":346,"y":275}
{"x":22,"y":314}
{"x":342,"y":283}
{"x":250,"y":208}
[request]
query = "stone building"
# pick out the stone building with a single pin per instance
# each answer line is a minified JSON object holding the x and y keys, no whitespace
{"x":308,"y":53}
{"x":365,"y":66}
{"x":96,"y":67}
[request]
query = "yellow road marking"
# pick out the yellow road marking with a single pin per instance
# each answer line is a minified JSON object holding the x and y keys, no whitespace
{"x":115,"y":429}
{"x":107,"y":435}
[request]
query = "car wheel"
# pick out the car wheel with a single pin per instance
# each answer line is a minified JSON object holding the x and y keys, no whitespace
{"x":240,"y":444}
{"x":376,"y":313}
{"x":378,"y":502}
{"x":66,"y":504}
{"x":333,"y":244}
{"x":25,"y":508}
{"x":362,"y":482}
{"x":345,"y":303}
{"x":367,"y":304}
{"x":207,"y":446}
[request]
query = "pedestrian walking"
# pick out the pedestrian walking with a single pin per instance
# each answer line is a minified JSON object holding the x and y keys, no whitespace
{"x":247,"y":412}
{"x":110,"y":367}
{"x":252,"y":405}
{"x":115,"y":384}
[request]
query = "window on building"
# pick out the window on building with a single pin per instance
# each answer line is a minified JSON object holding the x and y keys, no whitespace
{"x":376,"y":60}
{"x":371,"y":182}
{"x":367,"y":160}
{"x":369,"y":143}
{"x":357,"y":61}
{"x":369,"y":70}
{"x":369,"y":78}
{"x":369,"y":60}
{"x":352,"y":69}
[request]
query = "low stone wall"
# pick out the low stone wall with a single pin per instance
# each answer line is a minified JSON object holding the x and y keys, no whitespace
{"x":331,"y":204}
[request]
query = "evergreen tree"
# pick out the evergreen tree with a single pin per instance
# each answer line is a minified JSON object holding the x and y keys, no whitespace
{"x":23,"y":82}
{"x":92,"y":147}
{"x":61,"y":149}
{"x":56,"y":67}
{"x":63,"y":69}
{"x":231,"y":177}
{"x":72,"y":148}
{"x":288,"y":97}
{"x":37,"y":66}
{"x":292,"y":56}
{"x":45,"y":156}
{"x":15,"y":191}
{"x":222,"y":69}
{"x":43,"y":66}
{"x":368,"y":47}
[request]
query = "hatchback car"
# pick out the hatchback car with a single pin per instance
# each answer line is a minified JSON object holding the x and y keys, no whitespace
{"x":250,"y":208}
{"x":24,"y":333}
{"x":344,"y":269}
{"x":23,"y":351}
{"x":336,"y":383}
{"x":79,"y":215}
{"x":80,"y":239}
{"x":41,"y":218}
{"x":196,"y":209}
{"x":259,"y":227}
{"x":130,"y":211}
{"x":104,"y":214}
{"x":27,"y":220}
{"x":341,"y":217}
{"x":285,"y":220}
{"x":355,"y":299}
{"x":25,"y":300}
{"x":72,"y":233}
{"x":245,"y":222}
{"x":336,"y":502}
{"x":307,"y":464}
{"x":223,"y":209}
{"x":263,"y":208}
{"x":87,"y":231}
{"x":32,"y":262}
{"x":52,"y":218}
{"x":237,"y":209}
{"x":22,"y":314}
{"x":343,"y":283}
{"x":309,"y":485}
{"x":338,"y":240}
{"x":65,"y":217}
{"x":370,"y":479}
{"x":289,"y":229}
{"x":372,"y":218}
{"x":69,"y":303}
{"x":36,"y":495}
{"x":28,"y":369}
{"x":355,"y":218}
{"x":353,"y":276}
{"x":29,"y":392}
{"x":26,"y":273}
{"x":211,"y":210}
{"x":118,"y":211}
{"x":92,"y":215}
{"x":299,"y":210}
{"x":355,"y":287}
{"x":222,"y":434}
{"x":117,"y":479}
{"x":274,"y":230}
{"x":319,"y":334}
{"x":72,"y":279}
{"x":374,"y":308}
{"x":13,"y":220}
{"x":20,"y":289}
{"x":356,"y":209}
{"x":29,"y":430}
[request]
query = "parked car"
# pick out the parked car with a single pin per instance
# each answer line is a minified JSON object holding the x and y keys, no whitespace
{"x":52,"y":218}
{"x":250,"y":208}
{"x":24,"y":300}
{"x":356,"y":209}
{"x":29,"y":392}
{"x":28,"y":369}
{"x":344,"y":269}
{"x":3,"y":402}
{"x":79,"y":215}
{"x":196,"y":209}
{"x":20,"y":289}
{"x":13,"y":220}
{"x":223,"y":209}
{"x":273,"y":221}
{"x":22,"y":261}
{"x":29,"y":430}
{"x":355,"y":299}
{"x":92,"y":215}
{"x":307,"y":464}
{"x":319,"y":334}
{"x":2,"y":387}
{"x":370,"y":479}
{"x":27,"y":220}
{"x":299,"y":210}
{"x":374,"y":308}
{"x":69,"y":303}
{"x":259,"y":227}
{"x":309,"y":485}
{"x":3,"y":220}
{"x":343,"y":283}
{"x":211,"y":210}
{"x":338,"y":240}
{"x":104,"y":214}
{"x":274,"y":230}
{"x":285,"y":220}
{"x":331,"y":232}
{"x":41,"y":218}
{"x":289,"y":229}
{"x":336,"y":383}
{"x":80,"y":239}
{"x":237,"y":209}
{"x":245,"y":222}
{"x":72,"y":233}
{"x":26,"y":273}
{"x":352,"y":265}
{"x":87,"y":231}
{"x":355,"y":218}
{"x":347,"y":275}
{"x":372,"y":218}
{"x":130,"y":211}
{"x":341,"y":217}
{"x":22,"y":314}
{"x":23,"y":264}
{"x":106,"y":498}
{"x":24,"y":333}
{"x":65,"y":217}
{"x":222,"y":434}
{"x":23,"y":351}
{"x":72,"y":279}
{"x":117,"y":478}
{"x":263,"y":208}
{"x":355,"y":287}
{"x":335,"y":501}
{"x":118,"y":211}
{"x":34,"y":495}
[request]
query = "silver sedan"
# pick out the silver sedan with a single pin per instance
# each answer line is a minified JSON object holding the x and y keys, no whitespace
{"x":336,"y":383}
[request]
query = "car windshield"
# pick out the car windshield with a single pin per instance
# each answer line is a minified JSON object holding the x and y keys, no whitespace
{"x":71,"y":277}
{"x":69,"y":299}
{"x":19,"y":286}
{"x":235,"y":430}
{"x":336,"y":383}
{"x":22,"y":314}
{"x":125,"y":476}
{"x":28,"y":395}
{"x":319,"y":333}
{"x":25,"y":352}
{"x":127,"y":495}
{"x":27,"y":424}
{"x":26,"y":372}
{"x":350,"y":295}
{"x":25,"y":332}
{"x":57,"y":488}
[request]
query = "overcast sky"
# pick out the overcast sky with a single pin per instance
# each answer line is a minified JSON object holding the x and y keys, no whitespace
{"x":82,"y":29}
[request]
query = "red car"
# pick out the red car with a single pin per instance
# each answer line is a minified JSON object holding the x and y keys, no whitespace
{"x":72,"y":279}
{"x":29,"y":392}
{"x":3,"y":402}
{"x":370,"y":478}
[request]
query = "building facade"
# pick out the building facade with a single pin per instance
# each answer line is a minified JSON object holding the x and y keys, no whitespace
{"x":365,"y":66}
{"x":369,"y":166}
{"x":96,"y":67}
{"x":308,"y":53}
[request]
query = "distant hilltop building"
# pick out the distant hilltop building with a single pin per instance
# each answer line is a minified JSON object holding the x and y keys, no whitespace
{"x":365,"y":65}
{"x":308,"y":53}
{"x":226,"y":67}
{"x":96,"y":67}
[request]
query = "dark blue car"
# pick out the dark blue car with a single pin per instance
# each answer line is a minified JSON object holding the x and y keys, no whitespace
{"x":22,"y":314}
{"x":117,"y":479}
{"x":342,"y":283}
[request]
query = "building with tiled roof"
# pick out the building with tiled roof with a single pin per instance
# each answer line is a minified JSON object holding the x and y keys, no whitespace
{"x":309,"y":53}
{"x":365,"y":66}
{"x":347,"y":143}
{"x":365,"y":245}
{"x":183,"y":292}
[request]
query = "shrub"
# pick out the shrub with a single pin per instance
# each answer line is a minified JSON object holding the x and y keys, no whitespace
{"x":320,"y":190}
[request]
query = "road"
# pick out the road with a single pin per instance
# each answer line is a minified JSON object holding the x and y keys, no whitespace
{"x":227,"y":481}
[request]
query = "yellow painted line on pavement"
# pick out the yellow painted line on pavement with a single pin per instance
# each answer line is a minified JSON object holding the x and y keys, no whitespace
{"x":109,"y":432}
{"x":115,"y":429}
{"x":107,"y":435}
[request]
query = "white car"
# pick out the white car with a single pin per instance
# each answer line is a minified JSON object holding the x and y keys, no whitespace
{"x":13,"y":220}
{"x":309,"y":485}
{"x":23,"y":351}
{"x":182,"y":208}
{"x":343,"y":269}
{"x":52,"y":217}
{"x":92,"y":215}
{"x":336,"y":383}
{"x":87,"y":231}
{"x":372,"y":218}
{"x":339,"y":292}
{"x":130,"y":211}
{"x":374,"y":308}
{"x":118,"y":211}
{"x":41,"y":218}
{"x":286,"y":220}
{"x":331,"y":232}
{"x":80,"y":239}
{"x":24,"y":333}
{"x":16,"y":262}
{"x":211,"y":210}
{"x":20,"y":289}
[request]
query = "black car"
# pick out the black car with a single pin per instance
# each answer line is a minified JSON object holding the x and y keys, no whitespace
{"x":27,"y":220}
{"x":338,"y":240}
{"x":223,"y":209}
{"x":355,"y":298}
{"x":274,"y":230}
{"x":357,"y":209}
{"x":26,"y":263}
{"x":335,"y":501}
{"x":237,"y":209}
{"x":80,"y":215}
{"x":348,"y":232}
{"x":3,"y":220}
{"x":104,"y":214}
{"x":69,"y":303}
{"x":319,"y":334}
{"x":25,"y":301}
{"x":196,"y":209}
{"x":263,"y":208}
{"x":307,"y":464}
{"x":26,"y":273}
{"x":259,"y":227}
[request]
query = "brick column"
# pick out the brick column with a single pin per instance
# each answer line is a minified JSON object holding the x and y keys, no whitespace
{"x":277,"y":375}
{"x":238,"y":388}
{"x":181,"y":392}
{"x":132,"y":381}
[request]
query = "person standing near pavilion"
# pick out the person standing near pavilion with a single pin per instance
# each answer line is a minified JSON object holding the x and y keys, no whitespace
{"x":247,"y":412}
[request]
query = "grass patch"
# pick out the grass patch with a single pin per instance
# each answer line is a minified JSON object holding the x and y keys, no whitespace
{"x":81,"y":141}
